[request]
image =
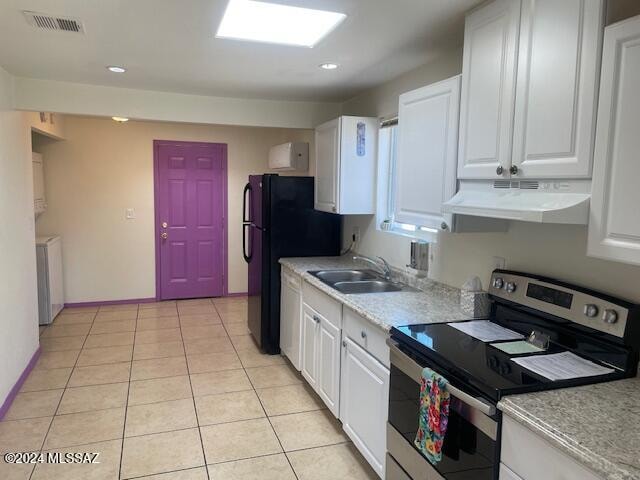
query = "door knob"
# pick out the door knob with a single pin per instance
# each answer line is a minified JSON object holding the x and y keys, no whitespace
{"x":164,"y":235}
{"x":164,"y":225}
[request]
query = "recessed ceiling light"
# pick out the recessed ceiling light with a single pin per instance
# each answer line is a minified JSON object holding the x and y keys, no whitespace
{"x":329,"y":66}
{"x":120,"y":119}
{"x":276,"y":23}
{"x":116,"y":69}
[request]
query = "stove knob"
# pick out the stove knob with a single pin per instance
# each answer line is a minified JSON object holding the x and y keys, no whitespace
{"x":591,"y":310}
{"x":498,"y":282}
{"x":511,"y":287}
{"x":610,"y":316}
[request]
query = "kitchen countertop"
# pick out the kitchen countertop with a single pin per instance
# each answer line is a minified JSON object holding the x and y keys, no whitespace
{"x":598,"y":425}
{"x":434,"y":303}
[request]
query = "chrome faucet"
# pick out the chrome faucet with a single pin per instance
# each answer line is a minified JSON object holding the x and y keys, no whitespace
{"x":380,"y":263}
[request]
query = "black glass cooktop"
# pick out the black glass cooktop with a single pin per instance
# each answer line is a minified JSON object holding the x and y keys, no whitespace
{"x":469,"y":362}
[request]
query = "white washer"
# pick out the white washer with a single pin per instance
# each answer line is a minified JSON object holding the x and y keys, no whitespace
{"x":50,"y":281}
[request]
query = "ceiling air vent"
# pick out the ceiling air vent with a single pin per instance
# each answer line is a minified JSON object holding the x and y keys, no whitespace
{"x":54,"y":23}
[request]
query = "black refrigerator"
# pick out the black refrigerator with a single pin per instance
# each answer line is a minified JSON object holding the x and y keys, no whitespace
{"x":279,"y":221}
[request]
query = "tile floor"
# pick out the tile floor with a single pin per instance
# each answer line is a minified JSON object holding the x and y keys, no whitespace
{"x":171,"y":391}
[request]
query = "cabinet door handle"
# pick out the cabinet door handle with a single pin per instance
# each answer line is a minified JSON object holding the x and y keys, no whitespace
{"x":514,"y":170}
{"x":363,"y":334}
{"x":316,"y":319}
{"x":344,"y":343}
{"x":500,"y":170}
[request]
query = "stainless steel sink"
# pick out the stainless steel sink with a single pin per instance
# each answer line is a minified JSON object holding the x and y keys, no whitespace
{"x":367,"y":286}
{"x":331,"y":277}
{"x":358,"y":281}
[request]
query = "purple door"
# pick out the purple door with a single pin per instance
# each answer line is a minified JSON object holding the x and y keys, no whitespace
{"x":190,"y":222}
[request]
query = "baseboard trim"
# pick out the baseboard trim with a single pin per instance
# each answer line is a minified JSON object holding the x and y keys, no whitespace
{"x":133,"y":300}
{"x":110,"y":302}
{"x":16,"y":388}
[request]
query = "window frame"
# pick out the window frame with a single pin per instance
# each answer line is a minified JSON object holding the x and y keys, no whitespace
{"x":387,"y":185}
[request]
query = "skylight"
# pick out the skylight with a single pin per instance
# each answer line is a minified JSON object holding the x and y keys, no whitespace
{"x":276,"y":23}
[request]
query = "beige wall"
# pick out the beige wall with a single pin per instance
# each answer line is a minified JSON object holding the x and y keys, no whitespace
{"x":382,"y":101}
{"x":18,"y":294}
{"x":52,"y":126}
{"x":104,"y":167}
{"x":554,"y":250}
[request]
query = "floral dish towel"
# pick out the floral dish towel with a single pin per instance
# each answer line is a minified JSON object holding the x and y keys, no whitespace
{"x":434,"y":415}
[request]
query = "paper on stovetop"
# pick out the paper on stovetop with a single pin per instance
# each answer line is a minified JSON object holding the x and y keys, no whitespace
{"x":562,"y":366}
{"x":486,"y":331}
{"x":517,"y":347}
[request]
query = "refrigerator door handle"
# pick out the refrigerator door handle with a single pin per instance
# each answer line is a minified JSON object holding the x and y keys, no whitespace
{"x":246,"y":202}
{"x":246,"y":229}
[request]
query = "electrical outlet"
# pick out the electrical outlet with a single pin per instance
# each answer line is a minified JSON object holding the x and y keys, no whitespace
{"x":356,"y":235}
{"x":499,"y":263}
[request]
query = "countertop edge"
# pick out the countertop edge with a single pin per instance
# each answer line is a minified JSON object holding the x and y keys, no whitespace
{"x":589,"y":459}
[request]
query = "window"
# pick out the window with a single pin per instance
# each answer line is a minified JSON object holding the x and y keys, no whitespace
{"x":387,"y":189}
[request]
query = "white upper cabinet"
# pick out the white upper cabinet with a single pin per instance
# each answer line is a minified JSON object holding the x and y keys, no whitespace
{"x":529,"y":92}
{"x":346,"y":152}
{"x":556,"y":92}
{"x":427,"y":153}
{"x":488,"y":89}
{"x":327,"y":160}
{"x":614,"y":224}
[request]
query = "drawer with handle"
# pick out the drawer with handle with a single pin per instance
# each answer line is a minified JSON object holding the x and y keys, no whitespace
{"x":369,"y":336}
{"x":322,"y":303}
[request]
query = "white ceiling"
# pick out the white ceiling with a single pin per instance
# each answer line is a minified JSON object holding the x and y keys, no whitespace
{"x":170,"y":45}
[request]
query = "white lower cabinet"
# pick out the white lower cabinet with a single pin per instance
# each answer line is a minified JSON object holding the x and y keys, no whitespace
{"x":527,"y":456}
{"x":345,"y":359}
{"x":321,"y":335}
{"x":328,"y":386}
{"x":309,"y":350}
{"x":364,"y":403}
{"x":290,"y":317}
{"x":321,"y":357}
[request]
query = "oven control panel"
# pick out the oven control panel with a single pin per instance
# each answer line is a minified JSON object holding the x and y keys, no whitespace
{"x":597,"y":311}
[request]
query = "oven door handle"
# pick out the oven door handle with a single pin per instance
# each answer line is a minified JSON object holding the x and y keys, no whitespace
{"x":414,"y":371}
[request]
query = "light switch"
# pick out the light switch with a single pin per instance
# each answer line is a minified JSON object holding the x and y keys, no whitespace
{"x":130,"y":214}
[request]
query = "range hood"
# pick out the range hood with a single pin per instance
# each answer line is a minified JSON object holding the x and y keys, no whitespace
{"x":541,"y":201}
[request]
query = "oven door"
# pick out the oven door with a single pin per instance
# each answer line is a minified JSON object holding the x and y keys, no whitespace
{"x":471,"y":446}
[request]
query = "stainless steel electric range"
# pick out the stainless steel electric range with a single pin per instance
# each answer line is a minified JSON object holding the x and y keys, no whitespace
{"x":541,"y":334}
